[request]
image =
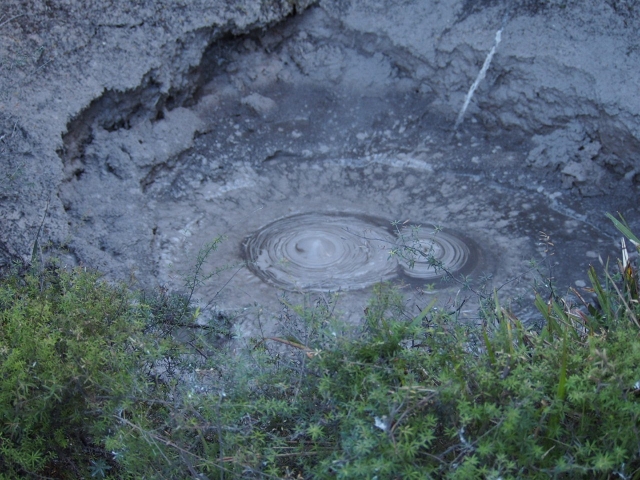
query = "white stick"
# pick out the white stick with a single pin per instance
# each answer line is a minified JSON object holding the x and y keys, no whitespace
{"x":479,"y":78}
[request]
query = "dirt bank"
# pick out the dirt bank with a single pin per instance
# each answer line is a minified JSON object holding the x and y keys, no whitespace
{"x":67,"y":66}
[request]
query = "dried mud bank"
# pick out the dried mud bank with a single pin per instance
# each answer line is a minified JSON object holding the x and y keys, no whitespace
{"x":71,"y":68}
{"x":185,"y":125}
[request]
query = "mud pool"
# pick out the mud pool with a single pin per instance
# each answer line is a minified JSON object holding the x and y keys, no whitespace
{"x":337,"y":251}
{"x":322,"y":147}
{"x":315,"y":162}
{"x":349,"y":201}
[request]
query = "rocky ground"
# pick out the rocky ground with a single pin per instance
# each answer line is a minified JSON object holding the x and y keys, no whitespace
{"x":134,"y":134}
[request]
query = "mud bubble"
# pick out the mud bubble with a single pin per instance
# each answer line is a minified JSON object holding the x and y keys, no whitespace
{"x":345,"y":251}
{"x":436,"y":253}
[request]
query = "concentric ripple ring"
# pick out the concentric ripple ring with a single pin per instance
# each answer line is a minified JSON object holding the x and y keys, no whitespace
{"x":322,"y":252}
{"x":433,"y":255}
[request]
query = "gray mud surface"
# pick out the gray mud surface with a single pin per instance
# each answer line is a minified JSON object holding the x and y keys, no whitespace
{"x":149,"y":131}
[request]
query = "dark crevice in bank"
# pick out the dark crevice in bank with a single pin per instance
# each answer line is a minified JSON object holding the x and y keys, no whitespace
{"x":115,"y":110}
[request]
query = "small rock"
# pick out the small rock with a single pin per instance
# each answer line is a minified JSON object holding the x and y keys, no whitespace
{"x":585,"y":175}
{"x":577,"y":171}
{"x":259,"y":103}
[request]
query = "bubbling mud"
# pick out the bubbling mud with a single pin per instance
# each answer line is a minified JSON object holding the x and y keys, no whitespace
{"x":435,"y":254}
{"x":341,"y":251}
{"x":321,"y":252}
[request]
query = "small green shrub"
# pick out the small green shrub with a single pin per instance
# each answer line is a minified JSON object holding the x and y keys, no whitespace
{"x":94,"y":384}
{"x":72,"y":355}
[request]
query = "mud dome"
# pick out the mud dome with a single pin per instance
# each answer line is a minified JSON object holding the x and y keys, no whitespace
{"x":322,"y":146}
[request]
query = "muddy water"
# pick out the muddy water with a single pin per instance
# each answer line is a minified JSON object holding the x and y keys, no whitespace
{"x":319,"y":227}
{"x":336,"y":251}
{"x":321,"y":252}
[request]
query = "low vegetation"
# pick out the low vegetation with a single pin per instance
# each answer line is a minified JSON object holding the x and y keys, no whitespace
{"x":98,"y":381}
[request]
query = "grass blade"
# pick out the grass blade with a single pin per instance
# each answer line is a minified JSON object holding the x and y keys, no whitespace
{"x":624,"y":228}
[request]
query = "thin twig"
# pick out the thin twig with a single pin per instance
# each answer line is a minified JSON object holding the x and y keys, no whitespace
{"x":167,"y":442}
{"x":10,"y":19}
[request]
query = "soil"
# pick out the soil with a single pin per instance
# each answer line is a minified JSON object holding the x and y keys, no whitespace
{"x":136,"y":134}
